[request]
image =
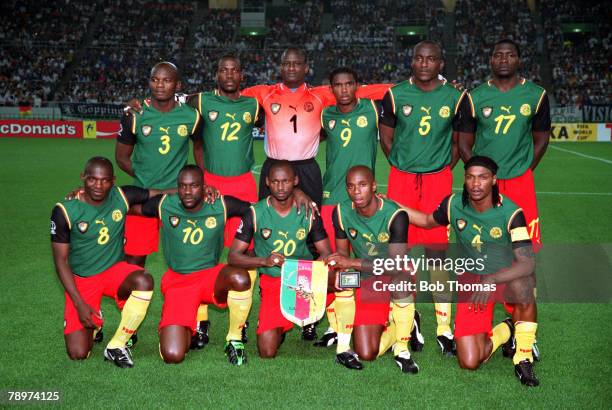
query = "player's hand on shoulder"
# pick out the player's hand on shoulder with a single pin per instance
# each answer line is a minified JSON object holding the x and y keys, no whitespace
{"x":133,"y":104}
{"x":302,"y":201}
{"x":88,"y":315}
{"x":211,"y":194}
{"x":74,"y":194}
{"x":275,"y":259}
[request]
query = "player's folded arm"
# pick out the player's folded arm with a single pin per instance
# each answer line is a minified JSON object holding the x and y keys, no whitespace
{"x":319,"y":237}
{"x":238,"y":252}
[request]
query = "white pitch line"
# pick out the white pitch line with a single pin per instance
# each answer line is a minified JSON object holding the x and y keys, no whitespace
{"x":569,"y":151}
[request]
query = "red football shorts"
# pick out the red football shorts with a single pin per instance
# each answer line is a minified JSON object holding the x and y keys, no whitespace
{"x":521,"y":190}
{"x":326,"y":215}
{"x":183,"y":293}
{"x":468,"y":320}
{"x":422,"y":192}
{"x":240,"y":186}
{"x":92,"y":289}
{"x":141,"y":235}
{"x":371,"y":302}
{"x":270,"y":316}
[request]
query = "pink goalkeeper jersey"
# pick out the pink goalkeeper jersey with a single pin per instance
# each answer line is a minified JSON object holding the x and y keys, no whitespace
{"x":293,"y":118}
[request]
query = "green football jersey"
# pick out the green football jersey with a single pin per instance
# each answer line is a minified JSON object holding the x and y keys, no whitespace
{"x":96,"y":233}
{"x":274,"y":233}
{"x":228,"y":127}
{"x":504,"y":121}
{"x":192,"y":241}
{"x":368,"y":236}
{"x":352,"y":139}
{"x":162,"y":144}
{"x":422,"y":141}
{"x":486,"y":235}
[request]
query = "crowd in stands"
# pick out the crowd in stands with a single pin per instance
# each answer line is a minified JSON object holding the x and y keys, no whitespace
{"x":479,"y":24}
{"x":78,"y":50}
{"x":581,"y":61}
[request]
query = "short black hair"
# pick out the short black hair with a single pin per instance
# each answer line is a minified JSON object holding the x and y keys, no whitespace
{"x":430,"y":43}
{"x":168,"y":64}
{"x":98,"y":162}
{"x":294,"y":49}
{"x":343,"y":70}
{"x":281,"y":163}
{"x":191,"y":168}
{"x":507,"y":41}
{"x":230,"y":57}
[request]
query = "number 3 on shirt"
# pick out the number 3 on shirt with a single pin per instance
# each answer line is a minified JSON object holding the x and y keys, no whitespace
{"x":165,"y":148}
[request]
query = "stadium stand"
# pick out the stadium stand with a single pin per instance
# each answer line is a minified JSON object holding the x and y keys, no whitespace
{"x":102,"y":51}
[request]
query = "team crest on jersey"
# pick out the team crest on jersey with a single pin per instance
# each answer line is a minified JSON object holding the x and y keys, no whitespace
{"x":82,"y":226}
{"x":308,"y":106}
{"x":461,"y":224}
{"x":300,"y":234}
{"x":444,"y":111}
{"x":211,"y":222}
{"x":525,"y":109}
{"x":486,"y":111}
{"x":53,"y":228}
{"x":353,"y":233}
{"x":246,"y":117}
{"x":182,"y":130}
{"x":495,"y":232}
{"x":117,"y":215}
{"x":275,"y":108}
{"x":383,"y":237}
{"x":265,"y":233}
{"x":407,"y":110}
{"x":362,"y":121}
{"x":146,"y":130}
{"x":212,"y":115}
{"x":174,"y":221}
{"x":331,"y":124}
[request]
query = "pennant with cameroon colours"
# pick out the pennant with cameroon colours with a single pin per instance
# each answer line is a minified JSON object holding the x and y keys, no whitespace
{"x":303,"y":291}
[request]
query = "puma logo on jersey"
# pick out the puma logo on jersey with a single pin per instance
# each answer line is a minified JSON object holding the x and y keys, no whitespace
{"x":426,"y":109}
{"x":294,"y":108}
{"x":368,"y":236}
{"x":477,"y":228}
{"x":346,"y":122}
{"x":284,"y":234}
{"x":232,"y":116}
{"x":165,"y":130}
{"x":193,"y":223}
{"x":506,"y":109}
{"x":100,"y":221}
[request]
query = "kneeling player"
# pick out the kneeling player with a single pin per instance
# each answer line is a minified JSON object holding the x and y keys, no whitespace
{"x":486,"y":224}
{"x":375,"y":228}
{"x":87,"y":241}
{"x":192,"y":243}
{"x":279,"y":232}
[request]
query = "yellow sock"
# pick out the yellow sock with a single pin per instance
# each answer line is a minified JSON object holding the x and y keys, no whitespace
{"x":501,"y":334}
{"x":443,"y":317}
{"x":525,"y":334}
{"x":345,"y":316}
{"x":387,"y":339}
{"x":331,"y":316}
{"x":253,"y":276}
{"x":403,"y":316}
{"x":239,"y":304}
{"x":202,"y":313}
{"x":132,"y":315}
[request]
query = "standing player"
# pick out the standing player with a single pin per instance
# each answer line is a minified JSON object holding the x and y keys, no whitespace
{"x":351,"y":130}
{"x":279,"y":232}
{"x":509,"y":121}
{"x":293,"y":125}
{"x":491,"y":227}
{"x":374,"y":228}
{"x":152,"y":146}
{"x":417,"y":124}
{"x":192,"y":243}
{"x":87,"y":241}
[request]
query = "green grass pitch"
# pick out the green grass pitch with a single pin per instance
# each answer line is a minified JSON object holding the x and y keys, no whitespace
{"x":575,"y":198}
